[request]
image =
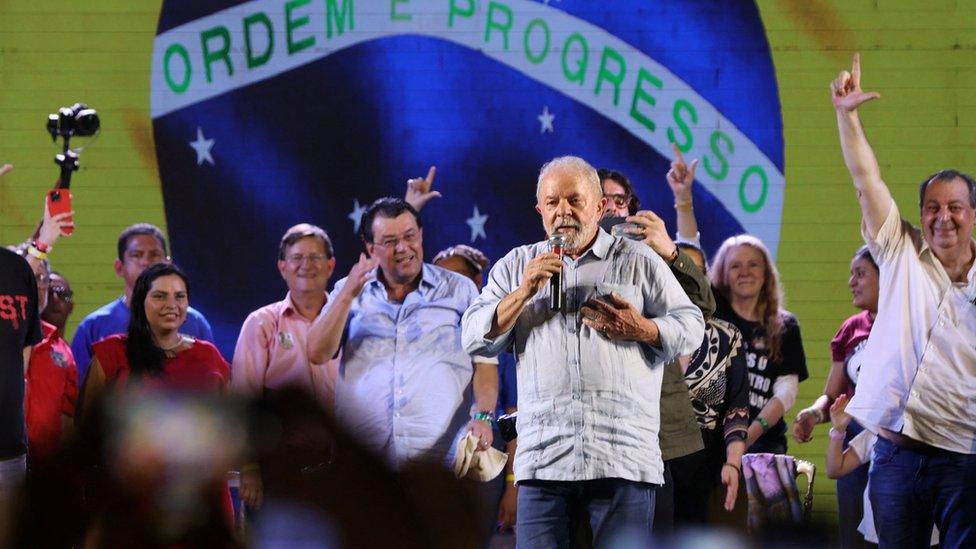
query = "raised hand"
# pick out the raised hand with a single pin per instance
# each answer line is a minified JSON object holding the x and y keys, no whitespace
{"x":5,"y":168}
{"x":845,"y":90}
{"x":52,"y":227}
{"x":539,"y":270}
{"x":838,"y":413}
{"x":361,"y":273}
{"x":681,"y":175}
{"x":418,"y":190}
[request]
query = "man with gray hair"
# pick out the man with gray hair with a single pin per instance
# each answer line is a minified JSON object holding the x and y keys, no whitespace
{"x":589,"y":374}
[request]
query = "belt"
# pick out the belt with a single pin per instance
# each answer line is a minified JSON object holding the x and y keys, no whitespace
{"x":912,"y":445}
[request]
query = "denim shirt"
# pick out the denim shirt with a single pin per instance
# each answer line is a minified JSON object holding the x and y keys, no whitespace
{"x":588,"y":407}
{"x":404,"y":383}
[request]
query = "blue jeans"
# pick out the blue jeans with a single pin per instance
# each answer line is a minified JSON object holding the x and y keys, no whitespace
{"x":913,"y":489}
{"x":619,"y":511}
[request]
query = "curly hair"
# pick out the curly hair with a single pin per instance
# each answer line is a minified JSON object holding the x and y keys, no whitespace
{"x":769,"y":307}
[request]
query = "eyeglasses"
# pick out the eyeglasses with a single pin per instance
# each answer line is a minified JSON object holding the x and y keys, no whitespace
{"x":64,"y":294}
{"x":297,"y":259}
{"x":407,"y":239}
{"x":619,"y":200}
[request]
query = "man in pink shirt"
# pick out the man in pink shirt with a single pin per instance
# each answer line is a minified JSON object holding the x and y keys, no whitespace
{"x":271,"y":351}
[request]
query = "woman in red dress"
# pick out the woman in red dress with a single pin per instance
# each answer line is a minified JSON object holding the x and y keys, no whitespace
{"x":162,"y":484}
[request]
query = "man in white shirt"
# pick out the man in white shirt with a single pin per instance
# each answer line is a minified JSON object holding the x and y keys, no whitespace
{"x":916,"y":391}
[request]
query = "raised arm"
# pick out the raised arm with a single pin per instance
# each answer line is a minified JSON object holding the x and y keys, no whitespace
{"x":872,"y":193}
{"x":325,"y":335}
{"x":680,"y":178}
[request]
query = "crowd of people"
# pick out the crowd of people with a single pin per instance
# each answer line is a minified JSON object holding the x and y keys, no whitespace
{"x":637,"y":392}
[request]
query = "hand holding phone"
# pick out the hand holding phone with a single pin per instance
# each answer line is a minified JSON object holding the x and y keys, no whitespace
{"x":59,"y":202}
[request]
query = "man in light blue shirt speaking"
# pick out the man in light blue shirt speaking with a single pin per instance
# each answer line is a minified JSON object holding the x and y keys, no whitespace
{"x":589,"y":374}
{"x":406,"y":386}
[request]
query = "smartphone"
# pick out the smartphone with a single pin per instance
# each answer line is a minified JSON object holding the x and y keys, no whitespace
{"x":608,"y":222}
{"x":59,"y":201}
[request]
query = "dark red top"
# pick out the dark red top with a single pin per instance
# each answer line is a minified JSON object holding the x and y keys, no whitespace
{"x":52,"y":390}
{"x":852,"y":333}
{"x":197,"y":369}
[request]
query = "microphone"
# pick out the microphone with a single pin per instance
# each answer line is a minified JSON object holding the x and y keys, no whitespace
{"x":556,"y":293}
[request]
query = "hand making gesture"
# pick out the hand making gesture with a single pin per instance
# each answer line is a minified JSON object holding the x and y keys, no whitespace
{"x":681,"y":176}
{"x":845,"y":90}
{"x":418,"y":190}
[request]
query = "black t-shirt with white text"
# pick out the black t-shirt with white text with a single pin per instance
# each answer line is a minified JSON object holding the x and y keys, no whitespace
{"x":20,"y":327}
{"x":762,"y":371}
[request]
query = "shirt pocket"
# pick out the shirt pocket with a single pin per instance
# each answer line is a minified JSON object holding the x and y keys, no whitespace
{"x":624,"y":355}
{"x":434,"y":330}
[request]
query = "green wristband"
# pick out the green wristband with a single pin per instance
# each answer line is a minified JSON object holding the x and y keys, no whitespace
{"x":486,"y":416}
{"x":763,"y":423}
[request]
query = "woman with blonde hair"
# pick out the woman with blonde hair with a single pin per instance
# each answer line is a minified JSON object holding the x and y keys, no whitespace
{"x":749,"y":295}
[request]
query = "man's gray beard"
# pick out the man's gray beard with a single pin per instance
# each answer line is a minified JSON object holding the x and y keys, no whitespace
{"x":580,"y":238}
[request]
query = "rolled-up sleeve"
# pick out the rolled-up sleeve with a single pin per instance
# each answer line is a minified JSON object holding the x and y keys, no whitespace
{"x":679,"y":321}
{"x":477,"y":320}
{"x":251,"y":356}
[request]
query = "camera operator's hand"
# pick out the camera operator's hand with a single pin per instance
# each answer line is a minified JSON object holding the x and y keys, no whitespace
{"x":5,"y":168}
{"x":418,"y":190}
{"x":52,"y":226}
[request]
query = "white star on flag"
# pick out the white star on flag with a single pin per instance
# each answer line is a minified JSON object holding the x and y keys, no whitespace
{"x":203,"y":146}
{"x":545,"y":120}
{"x":477,"y":224}
{"x":357,"y":215}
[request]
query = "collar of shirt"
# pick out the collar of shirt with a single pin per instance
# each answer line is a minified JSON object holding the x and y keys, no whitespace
{"x":49,"y":330}
{"x":429,"y":278}
{"x":601,"y":246}
{"x":291,"y":309}
{"x":926,"y":253}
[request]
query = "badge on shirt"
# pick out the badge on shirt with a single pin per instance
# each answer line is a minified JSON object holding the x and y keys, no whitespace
{"x":286,"y":340}
{"x":59,"y":359}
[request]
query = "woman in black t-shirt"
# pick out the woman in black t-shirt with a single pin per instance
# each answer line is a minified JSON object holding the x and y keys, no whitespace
{"x":748,"y":293}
